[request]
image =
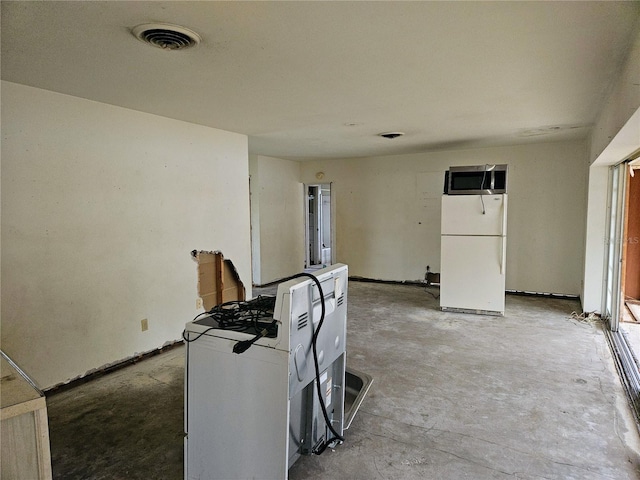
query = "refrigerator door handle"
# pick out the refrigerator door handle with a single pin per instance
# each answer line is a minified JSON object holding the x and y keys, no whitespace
{"x":504,"y":217}
{"x":503,"y":254}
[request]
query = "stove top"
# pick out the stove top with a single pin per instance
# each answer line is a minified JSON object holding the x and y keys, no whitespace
{"x":251,"y":316}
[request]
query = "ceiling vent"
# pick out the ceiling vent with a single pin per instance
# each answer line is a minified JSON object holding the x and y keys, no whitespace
{"x":166,"y":36}
{"x":391,"y":135}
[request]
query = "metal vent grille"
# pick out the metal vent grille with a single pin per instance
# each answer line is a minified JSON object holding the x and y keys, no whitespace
{"x":340,"y":300}
{"x":165,"y":36}
{"x":303,"y":320}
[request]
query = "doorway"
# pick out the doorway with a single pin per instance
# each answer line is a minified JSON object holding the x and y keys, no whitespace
{"x":621,"y":298}
{"x":621,"y":301}
{"x":318,"y":226}
{"x":630,"y":274}
{"x":629,"y":321}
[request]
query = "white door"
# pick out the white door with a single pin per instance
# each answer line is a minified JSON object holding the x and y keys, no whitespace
{"x":474,"y":215}
{"x":472,"y":273}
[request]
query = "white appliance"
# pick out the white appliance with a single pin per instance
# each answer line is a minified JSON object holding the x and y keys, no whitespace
{"x":252,"y":414}
{"x":473,"y":253}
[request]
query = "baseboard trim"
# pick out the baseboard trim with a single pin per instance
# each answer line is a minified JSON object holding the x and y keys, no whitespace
{"x":92,"y":375}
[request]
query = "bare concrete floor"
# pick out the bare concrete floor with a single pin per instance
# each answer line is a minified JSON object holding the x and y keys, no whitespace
{"x":533,"y":395}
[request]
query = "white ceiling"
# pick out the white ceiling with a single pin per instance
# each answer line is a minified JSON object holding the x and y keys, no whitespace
{"x":321,"y":79}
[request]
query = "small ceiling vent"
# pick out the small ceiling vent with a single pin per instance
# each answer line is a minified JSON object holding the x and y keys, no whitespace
{"x":391,"y":135}
{"x":166,"y":36}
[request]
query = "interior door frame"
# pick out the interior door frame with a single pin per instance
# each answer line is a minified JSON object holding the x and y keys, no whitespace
{"x":614,"y":251}
{"x":314,"y":240}
{"x":305,"y":187}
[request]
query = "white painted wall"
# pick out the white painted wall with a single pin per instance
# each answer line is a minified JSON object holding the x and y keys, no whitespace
{"x":620,"y":105}
{"x":277,"y":213}
{"x":388,"y":212}
{"x":615,"y":136}
{"x":101,"y":207}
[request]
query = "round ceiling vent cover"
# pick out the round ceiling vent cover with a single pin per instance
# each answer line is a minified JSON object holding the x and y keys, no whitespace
{"x":166,"y":36}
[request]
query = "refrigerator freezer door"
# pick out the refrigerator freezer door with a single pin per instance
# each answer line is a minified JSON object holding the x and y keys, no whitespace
{"x":463,"y":215}
{"x":472,"y":275}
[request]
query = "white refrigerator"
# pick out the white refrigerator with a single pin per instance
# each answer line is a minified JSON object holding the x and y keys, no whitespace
{"x":473,"y":253}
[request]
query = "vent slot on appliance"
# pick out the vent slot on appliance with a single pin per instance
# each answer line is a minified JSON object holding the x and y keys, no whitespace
{"x":303,"y":320}
{"x":340,"y":300}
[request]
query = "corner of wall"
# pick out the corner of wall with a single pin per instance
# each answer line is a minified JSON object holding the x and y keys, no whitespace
{"x":254,"y":195}
{"x":277,"y":218}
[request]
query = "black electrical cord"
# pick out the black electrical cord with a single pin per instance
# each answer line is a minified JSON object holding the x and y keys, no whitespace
{"x":184,"y":336}
{"x":322,"y":447}
{"x":243,"y":345}
{"x":484,"y":177}
{"x":254,"y":315}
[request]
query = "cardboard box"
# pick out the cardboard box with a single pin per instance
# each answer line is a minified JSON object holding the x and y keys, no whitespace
{"x":218,"y":279}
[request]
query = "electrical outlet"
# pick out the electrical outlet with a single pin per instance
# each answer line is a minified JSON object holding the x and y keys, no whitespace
{"x":198,"y":302}
{"x":144,"y":323}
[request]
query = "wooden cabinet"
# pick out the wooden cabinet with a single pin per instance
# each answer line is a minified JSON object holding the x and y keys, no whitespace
{"x":25,"y":429}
